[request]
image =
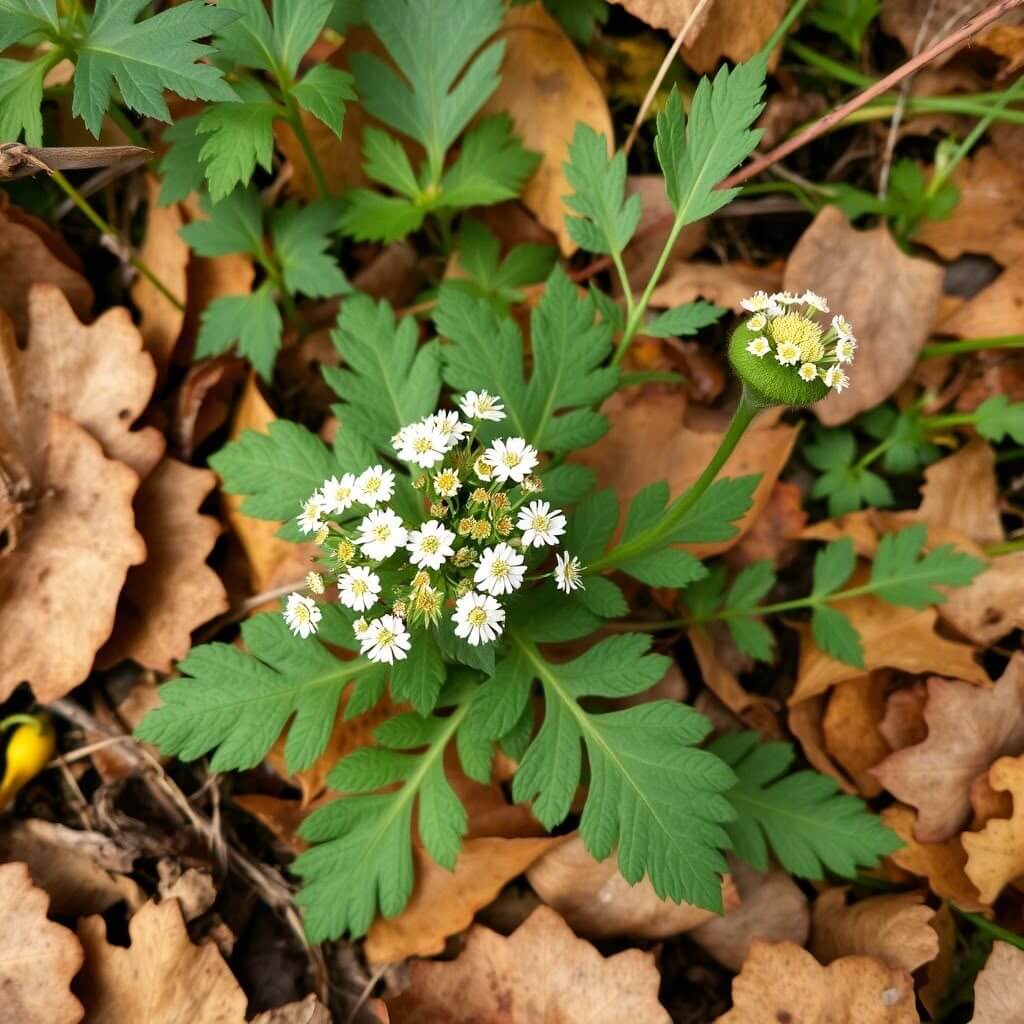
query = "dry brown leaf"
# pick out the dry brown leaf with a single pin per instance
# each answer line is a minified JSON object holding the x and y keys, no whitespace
{"x":737,"y":29}
{"x":38,"y":958}
{"x":541,"y":972}
{"x":166,"y":253}
{"x":960,"y":493}
{"x":894,"y":928}
{"x":174,"y":591}
{"x":203,"y":402}
{"x":903,"y":724}
{"x":806,"y":723}
{"x":995,"y":855}
{"x":597,"y":902}
{"x":995,"y":310}
{"x":941,"y":863}
{"x":445,"y":902}
{"x":890,"y":298}
{"x":992,"y":605}
{"x":25,"y":260}
{"x":547,"y":88}
{"x":671,"y":15}
{"x":309,"y":1011}
{"x":850,"y":726}
{"x":940,"y":970}
{"x":626,"y":461}
{"x":988,"y":803}
{"x":900,"y":638}
{"x":919,"y":23}
{"x":717,"y":676}
{"x":782,"y":982}
{"x":775,"y":533}
{"x":725,"y":284}
{"x":772,"y":908}
{"x":999,"y":987}
{"x":968,"y":728}
{"x":160,"y":979}
{"x":1006,"y":41}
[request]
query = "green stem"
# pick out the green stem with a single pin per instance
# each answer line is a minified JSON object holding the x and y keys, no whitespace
{"x":835,"y":69}
{"x":295,"y":120}
{"x":954,"y":419}
{"x":985,"y":925}
{"x":1009,"y":455}
{"x":951,"y":348}
{"x":103,"y":227}
{"x":884,"y":110}
{"x":22,"y":719}
{"x":876,"y":453}
{"x":782,"y":28}
{"x":1006,"y":547}
{"x":658,"y":535}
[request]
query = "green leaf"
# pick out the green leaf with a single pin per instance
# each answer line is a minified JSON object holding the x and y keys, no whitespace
{"x":252,"y":321}
{"x":239,"y":702}
{"x":802,"y":818}
{"x":19,"y":18}
{"x":834,"y":634}
{"x":276,"y":42}
{"x":750,"y":586}
{"x":419,"y":677}
{"x":387,"y":162}
{"x":699,"y":151}
{"x":491,"y":168}
{"x":669,"y":567}
{"x":997,"y":418}
{"x":501,"y":700}
{"x":370,"y":217}
{"x":235,"y":224}
{"x":752,"y":637}
{"x":146,"y":58}
{"x":591,"y":525}
{"x":297,"y":23}
{"x":603,"y":598}
{"x":389,"y":379}
{"x":579,"y":18}
{"x":21,"y":97}
{"x":652,"y":797}
{"x":645,"y":509}
{"x":847,"y":19}
{"x":607,"y":219}
{"x":901,"y":577}
{"x":302,"y":235}
{"x":711,"y":518}
{"x":323,"y":92}
{"x":181,"y":170}
{"x":833,"y":566}
{"x":683,"y":320}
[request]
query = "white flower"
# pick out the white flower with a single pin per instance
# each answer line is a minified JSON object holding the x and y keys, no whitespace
{"x":841,"y":327}
{"x":815,"y":301}
{"x":835,"y":378}
{"x":478,"y":618}
{"x":845,"y":347}
{"x":482,"y":406}
{"x":375,"y":485}
{"x":310,"y":519}
{"x":421,"y":443}
{"x":540,"y":524}
{"x":758,"y":322}
{"x":447,"y":483}
{"x":757,"y":302}
{"x":360,"y":627}
{"x":381,"y":534}
{"x":302,"y":615}
{"x":785,"y":299}
{"x":386,"y":639}
{"x":338,"y":495}
{"x":501,"y":570}
{"x":511,"y":458}
{"x":450,"y":428}
{"x":808,"y":372}
{"x":430,"y":545}
{"x":788,"y":353}
{"x":358,"y":588}
{"x":759,"y":346}
{"x":483,"y":469}
{"x":314,"y":583}
{"x":568,"y":572}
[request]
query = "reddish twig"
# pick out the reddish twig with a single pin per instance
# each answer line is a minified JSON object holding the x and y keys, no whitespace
{"x":829,"y":120}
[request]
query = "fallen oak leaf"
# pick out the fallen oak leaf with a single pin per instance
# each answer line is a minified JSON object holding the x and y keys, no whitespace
{"x":993,"y":311}
{"x":38,"y":958}
{"x":850,"y":727}
{"x":999,"y":986}
{"x":960,"y":493}
{"x":903,"y":723}
{"x":806,"y":722}
{"x":995,"y":855}
{"x":894,"y":928}
{"x":968,"y":729}
{"x":541,"y":972}
{"x":161,"y":978}
{"x":782,"y":982}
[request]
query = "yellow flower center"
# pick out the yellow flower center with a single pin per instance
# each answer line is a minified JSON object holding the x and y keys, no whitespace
{"x":800,"y":331}
{"x":359,"y":587}
{"x":499,"y":569}
{"x":477,"y":617}
{"x":430,"y":545}
{"x":382,"y":532}
{"x":540,"y":523}
{"x":512,"y":459}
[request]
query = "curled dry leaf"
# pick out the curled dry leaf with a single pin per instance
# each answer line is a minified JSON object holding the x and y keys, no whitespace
{"x":850,"y":727}
{"x":309,"y":1011}
{"x":995,"y":310}
{"x":160,"y":979}
{"x":25,"y":259}
{"x":736,"y":29}
{"x":806,"y":722}
{"x":725,"y":284}
{"x":203,"y":402}
{"x":597,"y":902}
{"x":889,"y":297}
{"x":941,"y":863}
{"x":782,"y":982}
{"x":995,"y":855}
{"x":671,"y":15}
{"x":541,"y":972}
{"x":546,"y":88}
{"x":999,"y":987}
{"x":174,"y":590}
{"x":894,"y":928}
{"x":988,"y":803}
{"x":960,"y":493}
{"x":903,"y":724}
{"x":940,"y":970}
{"x":992,"y":605}
{"x":717,"y":676}
{"x":772,"y":908}
{"x":38,"y":958}
{"x":968,"y":728}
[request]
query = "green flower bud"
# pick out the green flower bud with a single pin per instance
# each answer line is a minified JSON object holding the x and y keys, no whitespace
{"x":766,"y":381}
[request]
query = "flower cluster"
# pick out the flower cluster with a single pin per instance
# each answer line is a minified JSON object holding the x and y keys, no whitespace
{"x":788,"y":328}
{"x":482,"y":529}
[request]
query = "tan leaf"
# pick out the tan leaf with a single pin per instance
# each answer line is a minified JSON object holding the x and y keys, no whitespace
{"x":38,"y":958}
{"x":737,"y":29}
{"x":75,"y":541}
{"x":806,"y":723}
{"x":782,"y":982}
{"x":717,"y":677}
{"x":999,"y":987}
{"x":626,"y":461}
{"x":772,"y":908}
{"x":309,"y":1011}
{"x":174,"y":590}
{"x":994,"y":310}
{"x":671,"y":15}
{"x":992,"y":605}
{"x":894,"y":928}
{"x":893,"y":637}
{"x":995,"y":855}
{"x":988,"y":803}
{"x":166,"y":253}
{"x":903,"y":724}
{"x":541,"y":972}
{"x":960,"y":493}
{"x":597,"y":902}
{"x":919,"y":23}
{"x":968,"y":728}
{"x":940,"y":970}
{"x":547,"y":88}
{"x":775,"y":533}
{"x":1007,"y":41}
{"x":941,"y":863}
{"x":890,"y":298}
{"x":25,"y":260}
{"x":203,"y":402}
{"x":643,"y":251}
{"x":855,"y":709}
{"x":725,"y":284}
{"x":160,"y":979}
{"x":445,"y":902}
